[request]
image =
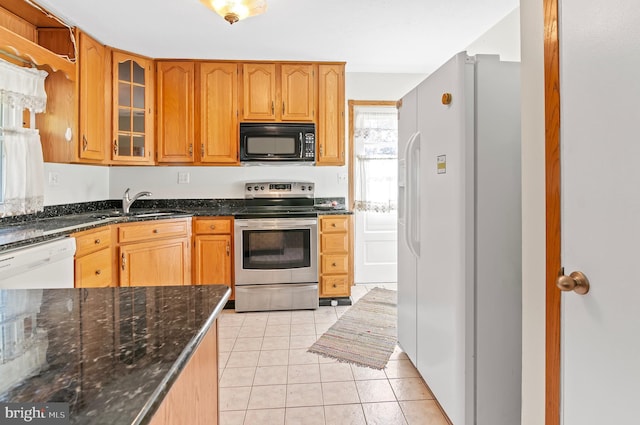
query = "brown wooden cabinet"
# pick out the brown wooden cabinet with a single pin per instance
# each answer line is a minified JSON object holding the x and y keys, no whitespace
{"x":298,"y":88}
{"x":175,"y":132}
{"x":133,"y":106}
{"x":259,"y":91}
{"x":93,"y":94}
{"x":155,"y":253}
{"x":94,"y":258}
{"x":330,"y":124}
{"x":193,"y":397}
{"x":278,"y":91}
{"x":218,"y":113}
{"x":336,"y":256}
{"x":213,"y":251}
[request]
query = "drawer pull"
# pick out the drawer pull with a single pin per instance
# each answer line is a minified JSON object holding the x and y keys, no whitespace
{"x":213,"y":227}
{"x":335,"y":285}
{"x":98,"y":272}
{"x":97,"y":241}
{"x":334,"y":265}
{"x":333,"y":224}
{"x":155,"y":230}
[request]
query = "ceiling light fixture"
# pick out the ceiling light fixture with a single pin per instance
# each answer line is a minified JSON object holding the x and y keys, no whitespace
{"x":234,"y":10}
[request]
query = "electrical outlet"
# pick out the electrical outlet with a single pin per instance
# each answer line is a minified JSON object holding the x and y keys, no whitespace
{"x":54,"y":178}
{"x":184,"y":178}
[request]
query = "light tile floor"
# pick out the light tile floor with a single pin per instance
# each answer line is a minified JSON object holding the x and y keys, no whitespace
{"x":267,"y":377}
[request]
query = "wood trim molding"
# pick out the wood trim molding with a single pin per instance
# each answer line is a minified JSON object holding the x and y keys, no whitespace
{"x":352,"y":105}
{"x":553,"y":223}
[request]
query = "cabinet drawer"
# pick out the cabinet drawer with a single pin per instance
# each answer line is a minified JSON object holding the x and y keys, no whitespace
{"x":153,"y":230}
{"x":334,"y":224}
{"x":335,"y":263}
{"x":334,"y":243}
{"x":94,"y":270}
{"x":92,"y":240}
{"x":334,"y":286}
{"x":213,"y":226}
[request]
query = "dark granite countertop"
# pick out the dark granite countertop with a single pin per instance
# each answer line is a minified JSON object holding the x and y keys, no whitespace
{"x":111,"y":353}
{"x":63,"y":220}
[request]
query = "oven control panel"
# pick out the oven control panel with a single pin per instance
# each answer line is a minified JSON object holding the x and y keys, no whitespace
{"x":278,"y":190}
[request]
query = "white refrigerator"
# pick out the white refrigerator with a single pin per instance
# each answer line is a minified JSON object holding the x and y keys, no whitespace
{"x":459,"y":237}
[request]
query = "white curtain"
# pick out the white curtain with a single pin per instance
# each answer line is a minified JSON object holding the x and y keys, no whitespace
{"x":22,"y":163}
{"x":376,"y":144}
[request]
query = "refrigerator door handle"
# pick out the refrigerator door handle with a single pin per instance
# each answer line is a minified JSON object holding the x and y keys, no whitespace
{"x":412,"y":182}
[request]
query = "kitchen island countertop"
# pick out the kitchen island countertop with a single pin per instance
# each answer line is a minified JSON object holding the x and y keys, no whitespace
{"x":111,"y":353}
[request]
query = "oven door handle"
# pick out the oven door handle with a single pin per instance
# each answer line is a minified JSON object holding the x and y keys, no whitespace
{"x":276,"y":224}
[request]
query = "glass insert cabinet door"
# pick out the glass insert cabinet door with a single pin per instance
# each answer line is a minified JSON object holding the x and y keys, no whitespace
{"x":132,"y":108}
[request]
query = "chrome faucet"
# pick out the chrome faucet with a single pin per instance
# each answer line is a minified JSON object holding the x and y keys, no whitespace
{"x":126,"y":201}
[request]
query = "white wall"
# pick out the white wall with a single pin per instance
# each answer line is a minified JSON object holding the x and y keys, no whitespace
{"x":373,"y":86}
{"x":75,"y":183}
{"x":501,"y":39}
{"x":221,"y":182}
{"x":533,"y":213}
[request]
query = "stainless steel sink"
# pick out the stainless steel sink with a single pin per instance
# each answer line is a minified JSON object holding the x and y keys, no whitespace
{"x":153,"y":214}
{"x":140,"y":213}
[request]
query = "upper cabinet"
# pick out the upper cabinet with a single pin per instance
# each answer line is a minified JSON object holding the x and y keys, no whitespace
{"x":175,"y":87}
{"x":132,"y":107}
{"x":298,"y":92}
{"x":278,"y":92}
{"x":93,"y":94}
{"x":259,"y":91}
{"x":218,"y":113}
{"x":330,"y":123}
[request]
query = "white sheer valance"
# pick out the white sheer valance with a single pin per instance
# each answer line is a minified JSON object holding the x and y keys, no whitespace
{"x":22,"y":88}
{"x":376,"y":142}
{"x":22,"y":165}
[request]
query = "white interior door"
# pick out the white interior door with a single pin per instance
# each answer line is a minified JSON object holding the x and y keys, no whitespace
{"x":375,"y":146}
{"x":600,"y":110}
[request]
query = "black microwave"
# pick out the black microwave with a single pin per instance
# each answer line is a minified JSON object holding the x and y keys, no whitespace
{"x":277,"y":143}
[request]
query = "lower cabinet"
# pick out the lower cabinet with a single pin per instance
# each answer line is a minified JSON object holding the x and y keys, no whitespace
{"x":336,"y":256}
{"x":155,"y":253}
{"x":93,"y":259}
{"x":213,"y":251}
{"x":193,"y":397}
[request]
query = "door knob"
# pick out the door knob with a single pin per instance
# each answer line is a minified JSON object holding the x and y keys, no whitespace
{"x":576,"y":282}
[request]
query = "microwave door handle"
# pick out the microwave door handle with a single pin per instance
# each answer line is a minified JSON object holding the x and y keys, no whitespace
{"x":301,"y":145}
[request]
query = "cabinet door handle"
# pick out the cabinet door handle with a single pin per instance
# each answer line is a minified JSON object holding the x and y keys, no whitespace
{"x":282,"y":107}
{"x":115,"y":147}
{"x":124,"y":261}
{"x":98,"y":272}
{"x":321,"y":150}
{"x":85,"y":143}
{"x":273,"y":110}
{"x":202,"y":151}
{"x":228,"y":249}
{"x":191,"y":149}
{"x":97,"y":241}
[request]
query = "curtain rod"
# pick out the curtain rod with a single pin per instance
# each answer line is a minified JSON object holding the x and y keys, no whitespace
{"x":18,"y":58}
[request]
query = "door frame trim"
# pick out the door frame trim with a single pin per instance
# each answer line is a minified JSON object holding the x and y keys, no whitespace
{"x":552,"y":208}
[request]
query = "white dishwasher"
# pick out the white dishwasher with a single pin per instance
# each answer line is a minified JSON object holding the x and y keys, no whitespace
{"x":43,"y":265}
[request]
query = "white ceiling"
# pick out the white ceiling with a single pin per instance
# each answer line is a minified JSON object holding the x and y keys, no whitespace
{"x":398,"y":36}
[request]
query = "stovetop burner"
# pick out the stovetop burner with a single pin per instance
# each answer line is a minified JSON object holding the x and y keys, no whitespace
{"x":278,"y":199}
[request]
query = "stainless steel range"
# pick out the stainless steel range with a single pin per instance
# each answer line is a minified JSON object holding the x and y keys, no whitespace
{"x":276,"y":248}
